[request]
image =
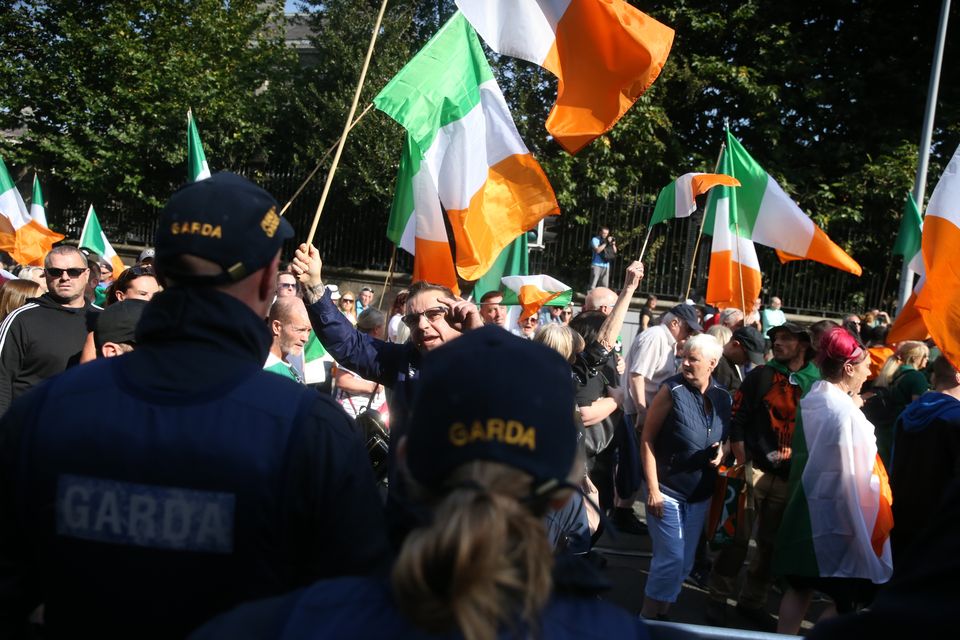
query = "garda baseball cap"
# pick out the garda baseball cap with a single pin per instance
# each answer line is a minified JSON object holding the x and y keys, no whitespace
{"x":468,"y":408}
{"x":225,"y":219}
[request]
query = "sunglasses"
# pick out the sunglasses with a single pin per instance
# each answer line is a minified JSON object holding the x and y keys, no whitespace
{"x":346,"y":299}
{"x":73,"y":272}
{"x":286,"y":285}
{"x":432,"y":315}
{"x":567,"y":313}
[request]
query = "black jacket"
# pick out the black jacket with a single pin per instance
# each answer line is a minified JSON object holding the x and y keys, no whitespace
{"x":40,"y":339}
{"x":187,"y":420}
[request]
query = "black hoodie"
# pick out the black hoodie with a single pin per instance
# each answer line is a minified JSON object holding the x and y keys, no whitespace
{"x":38,"y":340}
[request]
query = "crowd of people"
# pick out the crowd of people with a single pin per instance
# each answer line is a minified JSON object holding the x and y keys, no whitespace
{"x":168,"y":468}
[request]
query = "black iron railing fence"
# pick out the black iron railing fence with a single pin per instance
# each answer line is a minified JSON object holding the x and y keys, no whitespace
{"x":351,"y":238}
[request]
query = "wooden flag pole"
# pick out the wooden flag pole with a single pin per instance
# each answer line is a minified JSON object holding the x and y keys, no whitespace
{"x":383,"y":292}
{"x":643,"y":249}
{"x":322,"y":160}
{"x":703,"y":222}
{"x":346,"y":126}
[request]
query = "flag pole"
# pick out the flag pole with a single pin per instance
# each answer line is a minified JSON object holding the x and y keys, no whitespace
{"x":346,"y":126}
{"x":743,"y":303}
{"x":322,"y":160}
{"x":696,"y":247}
{"x":383,"y":292}
{"x":643,"y":249}
{"x":920,"y":182}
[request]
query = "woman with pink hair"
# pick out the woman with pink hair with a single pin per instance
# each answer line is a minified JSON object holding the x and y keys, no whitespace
{"x":835,"y":534}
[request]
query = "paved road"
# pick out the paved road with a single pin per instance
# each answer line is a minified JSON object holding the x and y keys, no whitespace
{"x":628,"y":562}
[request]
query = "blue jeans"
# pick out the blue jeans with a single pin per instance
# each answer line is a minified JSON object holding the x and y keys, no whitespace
{"x":674,"y":537}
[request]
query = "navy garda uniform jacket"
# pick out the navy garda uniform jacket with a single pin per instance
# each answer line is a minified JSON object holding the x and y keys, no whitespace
{"x":142,"y":495}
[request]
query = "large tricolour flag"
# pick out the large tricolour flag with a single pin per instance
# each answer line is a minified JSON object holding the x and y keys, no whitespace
{"x":765,"y":214}
{"x":935,"y":306}
{"x":197,"y":168}
{"x":462,"y":154}
{"x":24,"y":239}
{"x":92,"y":237}
{"x":38,"y":211}
{"x":604,"y":53}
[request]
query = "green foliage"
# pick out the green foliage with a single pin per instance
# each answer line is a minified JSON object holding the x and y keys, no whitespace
{"x":103,"y":89}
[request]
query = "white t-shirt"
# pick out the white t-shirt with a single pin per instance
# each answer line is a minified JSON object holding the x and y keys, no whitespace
{"x":653,"y":356}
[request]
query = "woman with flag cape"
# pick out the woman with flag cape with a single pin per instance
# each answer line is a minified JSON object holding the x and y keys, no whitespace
{"x":835,"y":534}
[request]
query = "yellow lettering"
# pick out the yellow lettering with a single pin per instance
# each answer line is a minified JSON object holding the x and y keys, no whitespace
{"x":477,"y":432}
{"x":458,"y":432}
{"x":514,"y":432}
{"x":529,"y":438}
{"x":185,"y":227}
{"x":195,"y":227}
{"x":217,"y":232}
{"x":206,"y":229}
{"x":173,"y":229}
{"x":495,"y":429}
{"x":270,"y":222}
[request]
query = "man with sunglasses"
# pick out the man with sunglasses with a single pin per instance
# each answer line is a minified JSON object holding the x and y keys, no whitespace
{"x":46,"y":335}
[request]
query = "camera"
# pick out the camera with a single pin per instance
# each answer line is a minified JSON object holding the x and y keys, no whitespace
{"x":610,"y":240}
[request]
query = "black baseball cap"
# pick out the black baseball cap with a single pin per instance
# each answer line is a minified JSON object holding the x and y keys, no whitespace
{"x":118,"y":323}
{"x":687,"y":313}
{"x":225,"y":219}
{"x":792,"y":327}
{"x":466,"y":409}
{"x":752,"y":342}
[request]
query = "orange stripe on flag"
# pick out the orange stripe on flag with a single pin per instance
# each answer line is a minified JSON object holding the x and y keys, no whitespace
{"x":532,"y":298}
{"x":515,"y":197}
{"x":884,"y":522}
{"x":29,"y":244}
{"x":118,"y":266}
{"x":723,"y":282}
{"x":433,"y":263}
{"x":606,"y":54}
{"x":908,"y":324}
{"x":703,"y":182}
{"x":937,"y":300}
{"x":823,"y":249}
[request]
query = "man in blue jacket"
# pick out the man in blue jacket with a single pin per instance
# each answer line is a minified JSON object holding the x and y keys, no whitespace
{"x":143,"y":494}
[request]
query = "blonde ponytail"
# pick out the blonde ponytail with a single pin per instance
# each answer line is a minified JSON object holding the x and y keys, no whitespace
{"x":484,"y":563}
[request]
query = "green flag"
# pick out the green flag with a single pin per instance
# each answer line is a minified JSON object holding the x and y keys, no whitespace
{"x":512,"y":261}
{"x":908,"y":237}
{"x":197,"y":168}
{"x":37,"y":211}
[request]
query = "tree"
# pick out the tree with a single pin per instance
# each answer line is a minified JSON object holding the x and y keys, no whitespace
{"x":103,"y":89}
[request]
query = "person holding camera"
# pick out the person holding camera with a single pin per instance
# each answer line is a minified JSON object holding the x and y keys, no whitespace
{"x":604,"y":247}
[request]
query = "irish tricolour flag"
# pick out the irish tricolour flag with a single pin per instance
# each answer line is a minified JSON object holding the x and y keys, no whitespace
{"x":765,"y":214}
{"x":679,"y":198}
{"x":604,"y":53}
{"x":934,"y":306}
{"x":536,"y":291}
{"x":26,"y":240}
{"x":462,"y":154}
{"x":839,"y":512}
{"x":38,"y":212}
{"x":92,"y":237}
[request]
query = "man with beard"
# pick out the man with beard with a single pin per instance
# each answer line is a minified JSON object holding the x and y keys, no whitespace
{"x":290,"y":328}
{"x":46,"y":335}
{"x":761,"y":432}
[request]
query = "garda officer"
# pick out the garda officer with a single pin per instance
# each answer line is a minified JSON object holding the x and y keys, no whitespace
{"x":141,"y":495}
{"x":490,"y":455}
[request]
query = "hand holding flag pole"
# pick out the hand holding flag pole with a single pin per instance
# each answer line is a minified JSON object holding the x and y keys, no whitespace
{"x":347,"y":126}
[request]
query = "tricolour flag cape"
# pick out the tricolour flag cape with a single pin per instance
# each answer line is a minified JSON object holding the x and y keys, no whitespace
{"x":26,"y":240}
{"x":92,"y":237}
{"x":197,"y":168}
{"x":934,"y":306}
{"x":679,"y":198}
{"x":38,"y":212}
{"x":604,"y":53}
{"x":535,"y":291}
{"x":734,"y":279}
{"x":462,"y":154}
{"x":766,"y":215}
{"x":909,"y":235}
{"x":839,"y":514}
{"x":514,"y":260}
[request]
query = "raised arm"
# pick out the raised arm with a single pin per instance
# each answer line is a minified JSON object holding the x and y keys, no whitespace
{"x":611,"y":327}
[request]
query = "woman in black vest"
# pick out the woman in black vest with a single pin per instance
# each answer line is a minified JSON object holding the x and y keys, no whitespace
{"x":680,"y":449}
